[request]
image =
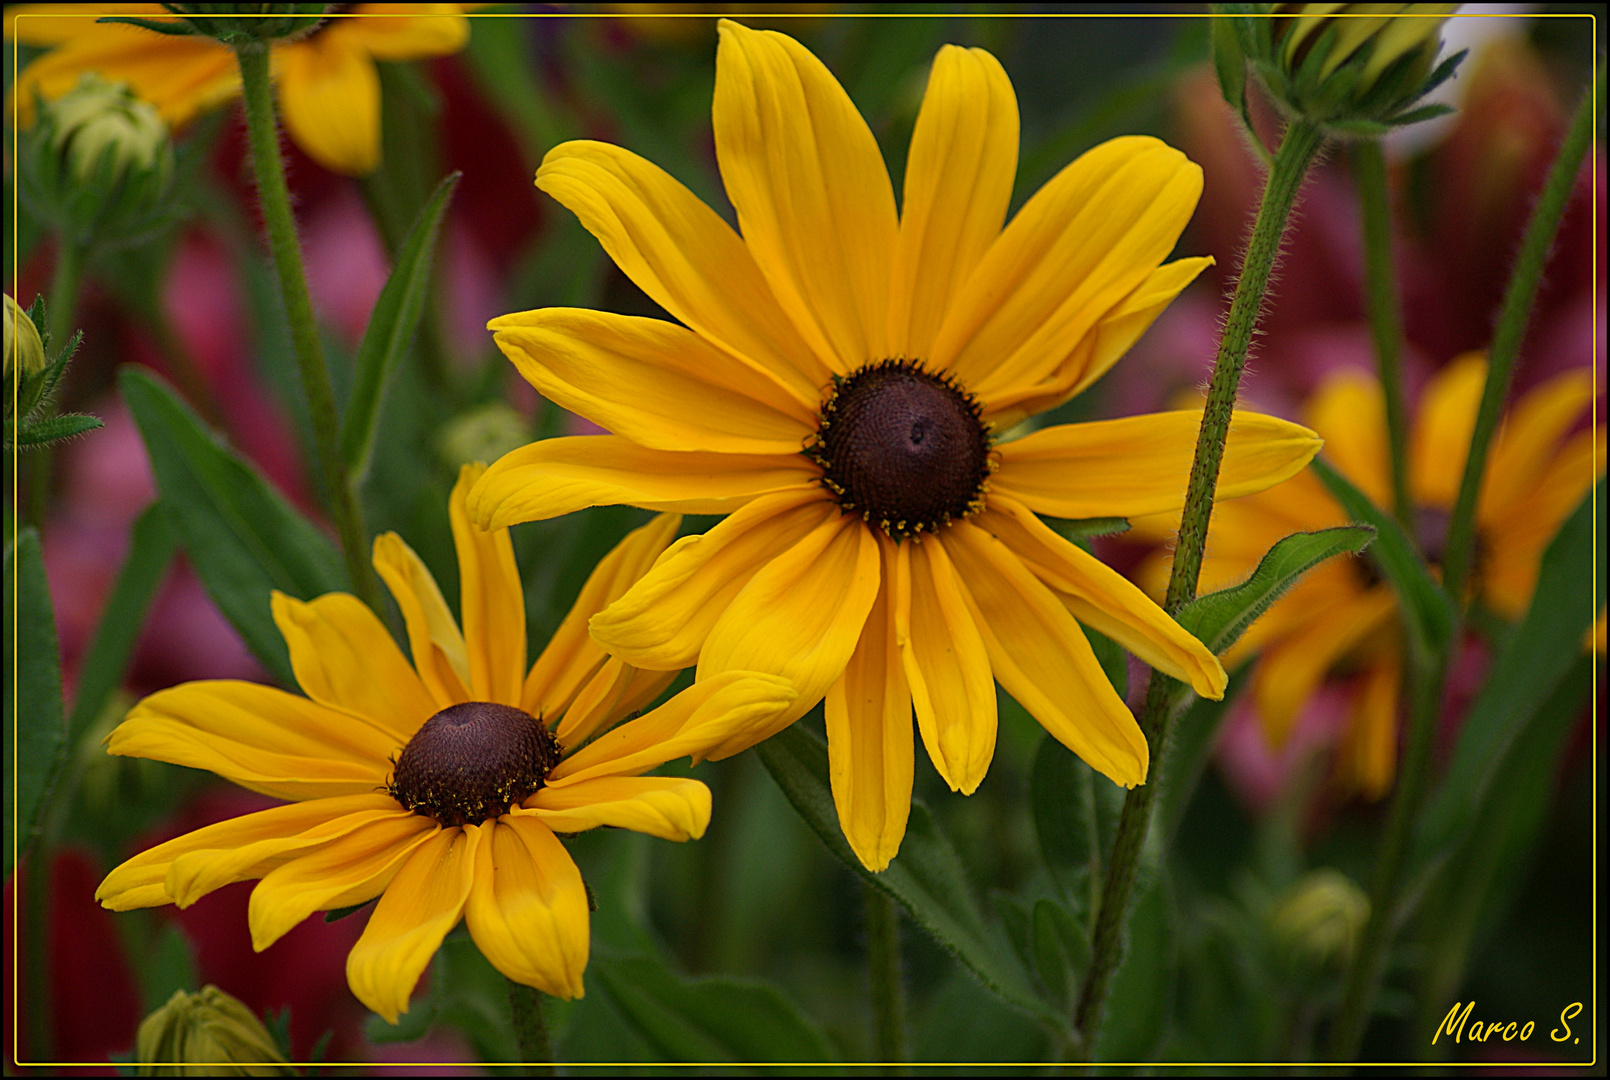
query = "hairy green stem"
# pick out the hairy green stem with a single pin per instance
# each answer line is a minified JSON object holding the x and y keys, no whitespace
{"x":530,"y":1029}
{"x":1513,"y":315}
{"x":269,"y":169}
{"x":883,"y":962}
{"x":1297,"y":151}
{"x":61,"y":309}
{"x":1386,"y":320}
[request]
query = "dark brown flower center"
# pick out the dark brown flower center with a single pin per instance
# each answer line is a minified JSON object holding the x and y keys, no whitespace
{"x":903,"y":448}
{"x":470,"y":762}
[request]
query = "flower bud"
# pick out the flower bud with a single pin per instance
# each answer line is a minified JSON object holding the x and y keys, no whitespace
{"x":25,"y":352}
{"x":99,"y":120}
{"x":206,"y":1034}
{"x":1321,"y":917}
{"x":482,"y":434}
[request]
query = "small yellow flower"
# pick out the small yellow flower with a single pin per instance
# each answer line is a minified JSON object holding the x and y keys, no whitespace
{"x":1341,"y":617}
{"x":329,"y":91}
{"x":437,"y":787}
{"x":836,"y":385}
{"x":208,"y":1033}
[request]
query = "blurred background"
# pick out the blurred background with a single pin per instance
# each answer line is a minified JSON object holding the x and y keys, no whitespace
{"x":759,"y":896}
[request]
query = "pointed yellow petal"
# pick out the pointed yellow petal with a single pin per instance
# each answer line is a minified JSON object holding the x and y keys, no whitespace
{"x":1442,"y":430}
{"x":425,"y":30}
{"x":680,"y":252}
{"x":653,"y":382}
{"x":814,"y":201}
{"x":1141,"y":464}
{"x":615,"y":691}
{"x":344,"y":658}
{"x":258,"y":737}
{"x":1041,"y":657}
{"x":352,"y":869}
{"x":959,"y":177}
{"x":491,"y":601}
{"x":670,"y":807}
{"x":329,"y":97}
{"x":1291,"y":670}
{"x":1529,"y":439}
{"x":1349,"y":413}
{"x":528,"y":909}
{"x":58,"y":24}
{"x":869,"y":744}
{"x":433,"y":635}
{"x":800,"y":616}
{"x":422,"y":903}
{"x":558,"y":476}
{"x":1367,"y":758}
{"x":662,"y":621}
{"x":948,"y":668}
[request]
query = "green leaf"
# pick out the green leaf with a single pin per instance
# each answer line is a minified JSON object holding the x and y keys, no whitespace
{"x":1084,"y":528}
{"x":1427,"y":614}
{"x":1532,"y":662}
{"x":1061,"y":949}
{"x":1230,"y":64}
{"x":170,"y":964}
{"x":242,"y":537}
{"x":391,"y":329}
{"x":927,"y":878}
{"x":1219,"y":618}
{"x":1190,"y":743}
{"x":151,"y":549}
{"x":35,"y":733}
{"x":1138,"y":1011}
{"x":708,"y":1019}
{"x":1062,"y":798}
{"x":56,"y":428}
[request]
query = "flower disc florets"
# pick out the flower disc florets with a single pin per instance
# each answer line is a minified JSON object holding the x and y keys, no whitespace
{"x":470,"y":762}
{"x":904,"y":448}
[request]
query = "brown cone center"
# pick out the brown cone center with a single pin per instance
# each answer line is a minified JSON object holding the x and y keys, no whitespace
{"x":470,"y":762}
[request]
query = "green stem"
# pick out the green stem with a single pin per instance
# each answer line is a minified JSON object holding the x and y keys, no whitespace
{"x":1513,"y":315}
{"x":883,"y":962}
{"x":61,"y":309}
{"x":530,"y":1029}
{"x":1297,"y":151}
{"x":1386,"y":321}
{"x":275,"y":197}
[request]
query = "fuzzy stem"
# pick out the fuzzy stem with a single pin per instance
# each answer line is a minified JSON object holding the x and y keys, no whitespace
{"x":1513,"y":316}
{"x":61,"y":308}
{"x":269,"y":169}
{"x":883,"y":962}
{"x":1297,"y":151}
{"x":1386,"y":321}
{"x":530,"y":1030}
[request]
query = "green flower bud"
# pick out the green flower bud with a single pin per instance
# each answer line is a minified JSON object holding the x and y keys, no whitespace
{"x":237,"y":24}
{"x":206,"y":1034}
{"x":97,"y":120}
{"x":1353,"y":69}
{"x":1321,"y":918}
{"x":482,"y":434}
{"x":25,"y":352}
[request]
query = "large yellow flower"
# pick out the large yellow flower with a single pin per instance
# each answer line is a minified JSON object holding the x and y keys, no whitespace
{"x":1341,"y":617}
{"x":329,"y":91}
{"x":838,"y":385}
{"x":437,"y":787}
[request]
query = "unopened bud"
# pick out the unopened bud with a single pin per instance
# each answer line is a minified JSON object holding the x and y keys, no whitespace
{"x":1321,"y":917}
{"x":25,"y":352}
{"x":99,"y":120}
{"x":482,"y":434}
{"x":206,"y":1034}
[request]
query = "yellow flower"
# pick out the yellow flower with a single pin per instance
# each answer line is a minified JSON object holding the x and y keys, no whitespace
{"x":836,"y":386}
{"x":1341,"y":617}
{"x":437,"y":787}
{"x":329,"y":91}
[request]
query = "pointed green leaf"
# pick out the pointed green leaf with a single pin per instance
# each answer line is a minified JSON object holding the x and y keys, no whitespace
{"x":35,"y":731}
{"x":54,"y":429}
{"x":1061,"y":949}
{"x":391,"y":329}
{"x":1062,"y":797}
{"x":1219,"y":618}
{"x":241,"y":536}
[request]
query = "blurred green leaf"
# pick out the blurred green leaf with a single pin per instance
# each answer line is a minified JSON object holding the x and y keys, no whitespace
{"x":35,"y":731}
{"x":1139,"y":1003}
{"x":169,"y":965}
{"x":391,"y":329}
{"x":1191,"y":739}
{"x":1063,"y":800}
{"x":151,"y":549}
{"x":1061,"y":949}
{"x":1218,"y":619}
{"x":242,"y":537}
{"x":708,"y":1019}
{"x":927,"y":878}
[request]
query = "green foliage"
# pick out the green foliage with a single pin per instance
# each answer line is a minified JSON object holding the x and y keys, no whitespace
{"x":35,"y":729}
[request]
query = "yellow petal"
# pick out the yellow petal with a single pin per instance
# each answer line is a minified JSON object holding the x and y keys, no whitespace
{"x":424,"y":30}
{"x":1442,"y":430}
{"x":181,"y":76}
{"x":433,"y":635}
{"x":814,"y":201}
{"x":344,"y":658}
{"x":269,"y":836}
{"x":662,"y":621}
{"x":670,"y":807}
{"x":422,"y":903}
{"x":958,"y":184}
{"x":1076,"y":250}
{"x":948,"y":668}
{"x":616,"y":690}
{"x":1141,"y":464}
{"x":1349,"y":413}
{"x":728,"y":709}
{"x":528,"y":909}
{"x":491,"y":600}
{"x":329,"y":97}
{"x":352,"y":869}
{"x":688,"y":260}
{"x":57,"y":24}
{"x":800,"y":616}
{"x":1041,"y":657}
{"x":1291,"y":670}
{"x":869,"y":745}
{"x":558,"y":476}
{"x":572,"y":658}
{"x":1529,"y":439}
{"x":1367,"y":758}
{"x":653,"y":382}
{"x":258,"y":737}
